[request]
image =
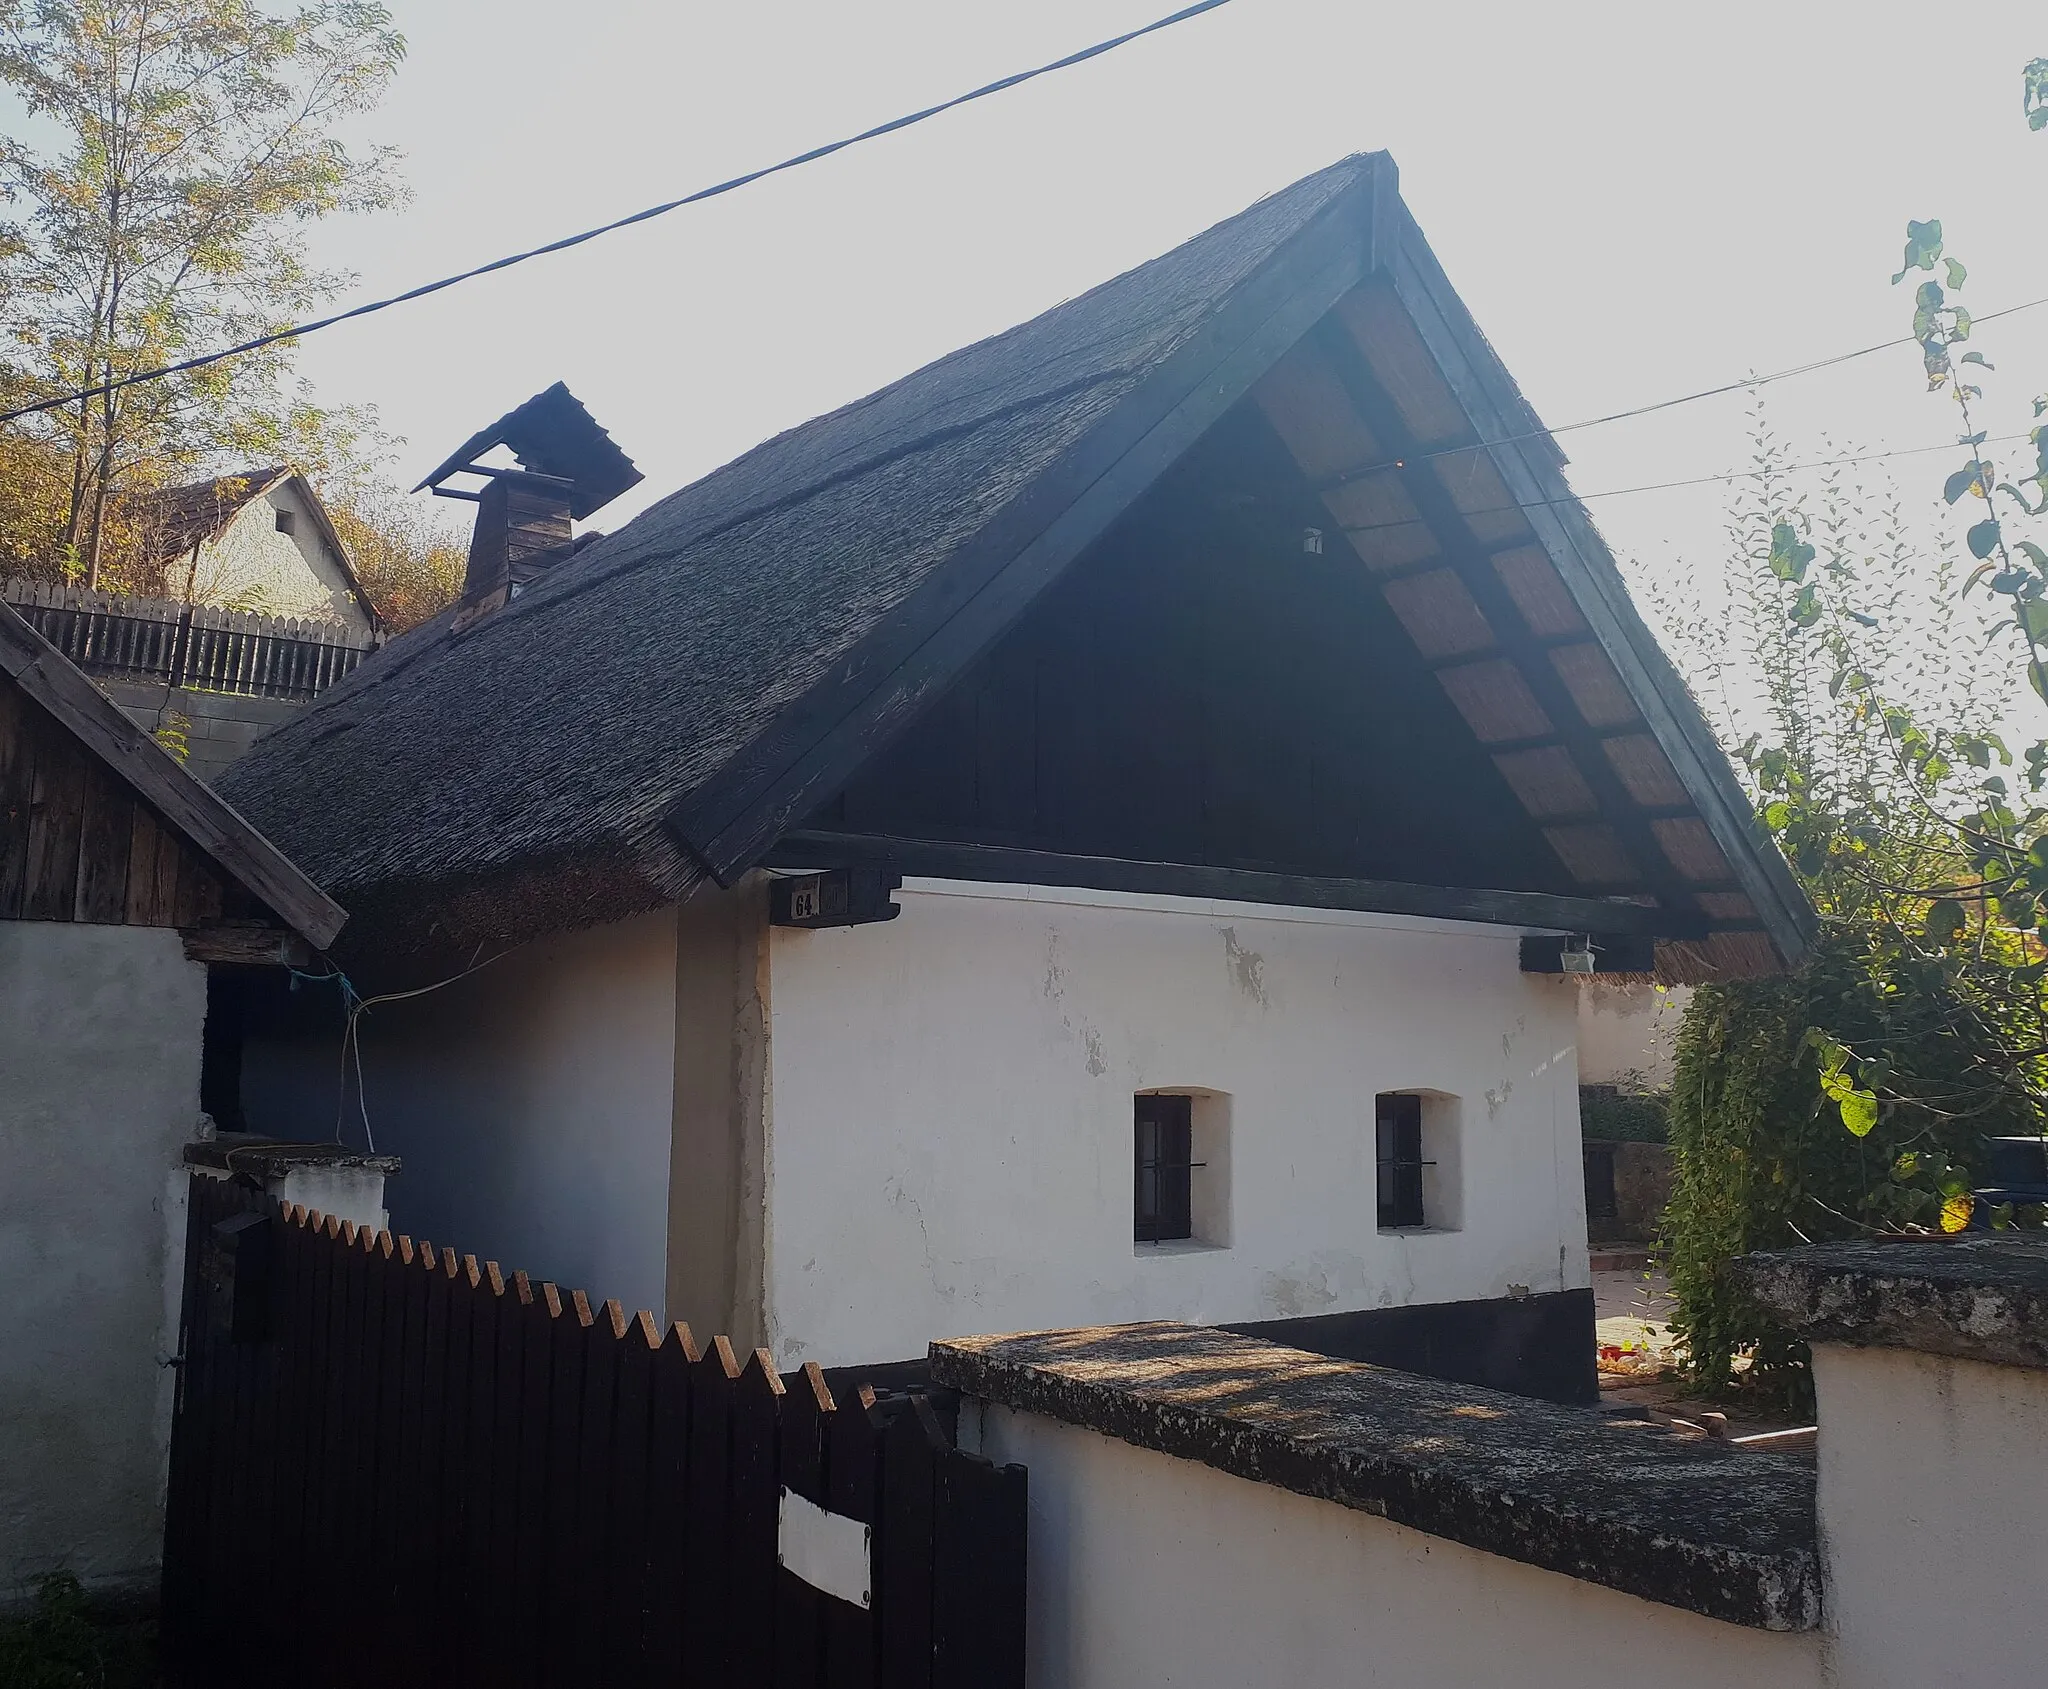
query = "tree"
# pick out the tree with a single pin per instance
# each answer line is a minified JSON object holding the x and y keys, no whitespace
{"x":192,"y":140}
{"x":1857,"y":1097}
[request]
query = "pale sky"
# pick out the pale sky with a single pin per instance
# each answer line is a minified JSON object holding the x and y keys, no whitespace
{"x":1635,"y":200}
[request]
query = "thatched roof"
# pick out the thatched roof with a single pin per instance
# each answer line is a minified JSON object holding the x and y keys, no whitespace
{"x":665,"y":705}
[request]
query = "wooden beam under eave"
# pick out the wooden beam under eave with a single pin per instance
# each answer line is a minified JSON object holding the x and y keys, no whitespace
{"x":944,"y":860}
{"x":246,"y":944}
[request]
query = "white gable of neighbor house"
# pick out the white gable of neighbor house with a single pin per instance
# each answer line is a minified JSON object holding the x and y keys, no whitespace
{"x":252,"y":565}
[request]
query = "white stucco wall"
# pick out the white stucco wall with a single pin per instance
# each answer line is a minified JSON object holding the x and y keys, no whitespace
{"x":251,"y":566}
{"x":1628,"y":1033}
{"x":1146,"y":1572}
{"x":1933,"y":1517}
{"x":99,"y":1091}
{"x":530,"y":1103}
{"x":949,"y":1139}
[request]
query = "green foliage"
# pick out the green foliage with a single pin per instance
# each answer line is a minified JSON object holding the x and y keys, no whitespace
{"x":1761,"y":1157}
{"x":1627,"y":1117}
{"x":66,"y":1641}
{"x":1855,"y":1098}
{"x":191,"y":140}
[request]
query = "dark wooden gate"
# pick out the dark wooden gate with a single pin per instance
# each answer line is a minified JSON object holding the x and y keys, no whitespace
{"x":391,"y":1465}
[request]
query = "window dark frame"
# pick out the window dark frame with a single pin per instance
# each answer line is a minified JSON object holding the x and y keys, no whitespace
{"x":1397,"y":1135}
{"x":1163,"y":1165}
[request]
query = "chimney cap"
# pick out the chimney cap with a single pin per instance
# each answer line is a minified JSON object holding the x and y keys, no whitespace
{"x":552,"y":435}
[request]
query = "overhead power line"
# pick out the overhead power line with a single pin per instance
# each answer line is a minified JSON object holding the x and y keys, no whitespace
{"x":1746,"y":384}
{"x":301,"y":330}
{"x":1660,"y":486}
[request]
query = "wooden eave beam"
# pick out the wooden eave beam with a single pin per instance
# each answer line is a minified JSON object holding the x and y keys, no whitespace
{"x":943,"y":860}
{"x":211,"y":826}
{"x":1439,"y":510}
{"x":813,"y":749}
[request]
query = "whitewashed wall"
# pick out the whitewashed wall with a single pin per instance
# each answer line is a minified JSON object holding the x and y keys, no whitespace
{"x":1148,"y":1572}
{"x":1933,"y":1517}
{"x":251,"y":566}
{"x":949,"y":1147}
{"x":99,"y":1092}
{"x":1628,"y":1033}
{"x":530,"y":1103}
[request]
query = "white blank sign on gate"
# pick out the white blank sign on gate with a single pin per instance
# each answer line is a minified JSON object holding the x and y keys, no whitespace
{"x":827,"y":1550}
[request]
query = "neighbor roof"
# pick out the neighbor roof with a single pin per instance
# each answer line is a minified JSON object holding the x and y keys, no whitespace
{"x":664,"y":706}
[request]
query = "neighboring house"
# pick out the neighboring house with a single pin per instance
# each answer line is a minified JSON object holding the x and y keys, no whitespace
{"x":266,"y":613}
{"x":121,"y":879}
{"x":260,"y":541}
{"x":1249,"y":743}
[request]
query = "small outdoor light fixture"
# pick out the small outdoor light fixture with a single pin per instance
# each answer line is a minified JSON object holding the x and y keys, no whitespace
{"x":1577,"y":955}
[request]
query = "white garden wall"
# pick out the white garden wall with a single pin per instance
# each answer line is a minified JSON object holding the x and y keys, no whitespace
{"x":1149,"y":1572}
{"x":1933,"y":1516}
{"x":99,"y":1091}
{"x":949,"y":1139}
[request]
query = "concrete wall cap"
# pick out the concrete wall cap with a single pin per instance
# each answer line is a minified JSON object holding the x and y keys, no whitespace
{"x":1975,"y":1297}
{"x":1654,"y":1512}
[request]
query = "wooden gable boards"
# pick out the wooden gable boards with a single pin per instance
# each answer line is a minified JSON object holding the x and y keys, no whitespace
{"x":1352,"y":344}
{"x":99,"y":824}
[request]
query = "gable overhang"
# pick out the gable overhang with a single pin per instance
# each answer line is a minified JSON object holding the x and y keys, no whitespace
{"x":812,"y":749}
{"x":1742,"y":912}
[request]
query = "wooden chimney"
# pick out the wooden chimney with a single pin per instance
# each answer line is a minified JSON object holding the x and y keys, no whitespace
{"x":568,"y":468}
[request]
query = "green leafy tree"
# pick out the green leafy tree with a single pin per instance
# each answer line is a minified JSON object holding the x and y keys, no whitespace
{"x":1856,"y":1097}
{"x":189,"y":142}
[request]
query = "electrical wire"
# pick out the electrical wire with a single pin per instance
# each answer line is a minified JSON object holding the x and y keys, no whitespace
{"x":301,"y":330}
{"x":1746,"y":384}
{"x":1648,"y":487}
{"x":354,"y":1006}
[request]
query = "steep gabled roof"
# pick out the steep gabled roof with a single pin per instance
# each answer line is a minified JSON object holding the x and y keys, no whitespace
{"x":205,"y":822}
{"x":669,"y":703}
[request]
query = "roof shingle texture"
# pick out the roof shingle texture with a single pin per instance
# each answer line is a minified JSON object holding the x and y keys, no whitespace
{"x":569,"y":723}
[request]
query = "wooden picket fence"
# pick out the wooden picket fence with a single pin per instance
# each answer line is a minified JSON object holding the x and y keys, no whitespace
{"x":392,"y":1466}
{"x":199,"y":647}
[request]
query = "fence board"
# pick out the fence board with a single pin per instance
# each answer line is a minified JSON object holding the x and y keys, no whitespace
{"x":413,"y":1473}
{"x":913,"y":1447}
{"x":800,"y":1609}
{"x":755,"y":1493}
{"x":629,"y":1599}
{"x":852,"y":1454}
{"x":668,"y":1502}
{"x":563,"y":1657}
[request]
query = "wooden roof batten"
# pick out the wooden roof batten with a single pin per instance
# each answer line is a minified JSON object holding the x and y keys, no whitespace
{"x":1613,"y":804}
{"x":1531,"y":469}
{"x":95,"y":722}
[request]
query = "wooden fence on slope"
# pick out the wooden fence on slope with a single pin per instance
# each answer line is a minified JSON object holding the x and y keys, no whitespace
{"x":392,"y":1466}
{"x":160,"y":641}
